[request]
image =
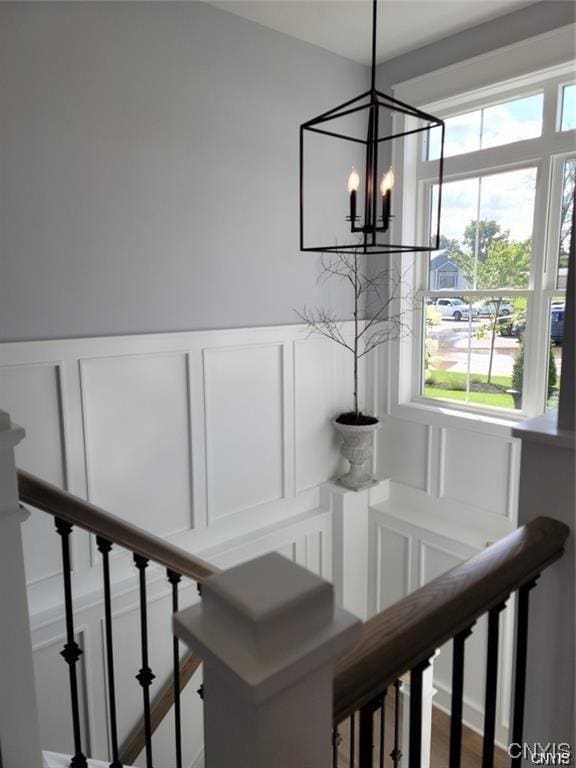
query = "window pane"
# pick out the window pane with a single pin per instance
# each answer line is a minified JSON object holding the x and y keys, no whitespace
{"x":459,"y":206}
{"x":557,"y":307}
{"x":462,"y":135}
{"x":474,"y":351}
{"x":504,"y":232}
{"x":493,"y":126}
{"x":566,"y":216}
{"x":485,"y":232}
{"x":568,"y":108}
{"x":512,"y":121}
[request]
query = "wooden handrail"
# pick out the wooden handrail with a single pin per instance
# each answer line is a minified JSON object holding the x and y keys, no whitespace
{"x":408,"y":632}
{"x":49,"y":498}
{"x":74,"y":510}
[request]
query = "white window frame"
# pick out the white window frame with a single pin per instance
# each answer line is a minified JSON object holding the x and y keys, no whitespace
{"x":542,"y":63}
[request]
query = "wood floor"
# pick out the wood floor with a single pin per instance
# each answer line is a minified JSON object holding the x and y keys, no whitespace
{"x":471,"y":742}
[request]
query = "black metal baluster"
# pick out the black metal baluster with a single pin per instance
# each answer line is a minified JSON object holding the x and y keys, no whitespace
{"x":382,"y":721}
{"x":104,"y":547}
{"x":457,"y":697}
{"x":72,"y":650}
{"x":396,"y":753}
{"x":336,"y":739}
{"x":366,"y":737}
{"x":145,"y":675}
{"x":415,"y":746}
{"x":520,"y":673}
{"x":352,"y":740}
{"x":174,"y":579}
{"x":491,"y":686}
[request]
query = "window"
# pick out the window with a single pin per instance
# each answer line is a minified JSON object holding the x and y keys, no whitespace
{"x":568,"y":120}
{"x":491,"y":126}
{"x":493,"y":297}
{"x":446,"y":279}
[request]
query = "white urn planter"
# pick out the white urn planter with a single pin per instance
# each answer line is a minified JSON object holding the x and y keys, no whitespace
{"x":357,"y":448}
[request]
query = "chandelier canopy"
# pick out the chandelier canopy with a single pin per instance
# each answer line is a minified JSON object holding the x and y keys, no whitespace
{"x":360,"y":134}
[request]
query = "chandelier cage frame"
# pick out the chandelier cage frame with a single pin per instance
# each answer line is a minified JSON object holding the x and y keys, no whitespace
{"x":374,"y":101}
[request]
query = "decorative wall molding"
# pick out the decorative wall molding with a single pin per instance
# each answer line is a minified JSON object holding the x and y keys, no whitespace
{"x":167,"y":431}
{"x":427,"y":552}
{"x":490,"y":490}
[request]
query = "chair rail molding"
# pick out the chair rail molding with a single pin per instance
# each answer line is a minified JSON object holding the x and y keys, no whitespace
{"x":19,"y":730}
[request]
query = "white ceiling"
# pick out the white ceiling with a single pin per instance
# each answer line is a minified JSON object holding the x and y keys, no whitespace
{"x":343,"y":26}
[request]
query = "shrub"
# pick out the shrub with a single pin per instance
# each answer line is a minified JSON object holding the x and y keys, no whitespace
{"x":552,"y":372}
{"x":518,"y":368}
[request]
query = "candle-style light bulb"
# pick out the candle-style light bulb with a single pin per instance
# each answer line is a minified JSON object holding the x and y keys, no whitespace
{"x":387,"y":181}
{"x":385,"y":189}
{"x":353,"y":180}
{"x":353,"y":184}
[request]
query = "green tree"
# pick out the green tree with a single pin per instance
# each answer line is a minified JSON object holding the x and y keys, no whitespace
{"x":507,"y":265}
{"x":567,"y":210}
{"x":488,"y":233}
{"x":449,"y":244}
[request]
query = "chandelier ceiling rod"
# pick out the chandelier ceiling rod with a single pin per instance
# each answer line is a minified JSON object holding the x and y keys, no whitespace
{"x":374,"y":22}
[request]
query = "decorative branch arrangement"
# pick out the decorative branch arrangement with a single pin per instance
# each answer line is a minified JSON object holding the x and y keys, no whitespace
{"x":375,"y":295}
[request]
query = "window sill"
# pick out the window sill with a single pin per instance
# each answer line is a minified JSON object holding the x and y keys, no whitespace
{"x":445,"y":415}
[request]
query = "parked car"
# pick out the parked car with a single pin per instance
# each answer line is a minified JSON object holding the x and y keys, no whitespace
{"x":557,"y":325}
{"x":515,"y":326}
{"x":456,"y":309}
{"x":488,"y":308}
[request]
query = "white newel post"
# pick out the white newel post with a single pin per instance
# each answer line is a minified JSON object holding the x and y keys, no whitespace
{"x":269,"y":633}
{"x":351,"y":542}
{"x":19,"y":732}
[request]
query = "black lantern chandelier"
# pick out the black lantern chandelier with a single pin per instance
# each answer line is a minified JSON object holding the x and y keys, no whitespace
{"x":359,"y":133}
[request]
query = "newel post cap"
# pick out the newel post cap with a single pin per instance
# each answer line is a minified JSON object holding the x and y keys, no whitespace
{"x":10,"y":435}
{"x":269,"y":621}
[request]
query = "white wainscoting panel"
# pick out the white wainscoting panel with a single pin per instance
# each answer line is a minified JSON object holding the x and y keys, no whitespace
{"x":136,"y":423}
{"x":407,"y":452}
{"x":393,"y":565}
{"x":244,"y":427}
{"x":475,"y":470}
{"x":323,"y":383}
{"x":196,"y":436}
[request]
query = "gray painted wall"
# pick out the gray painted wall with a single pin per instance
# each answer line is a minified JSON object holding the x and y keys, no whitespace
{"x":148,"y":162}
{"x":148,"y":168}
{"x":505,"y":30}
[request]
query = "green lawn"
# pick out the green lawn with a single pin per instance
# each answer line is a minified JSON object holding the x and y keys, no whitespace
{"x":448,"y":385}
{"x":493,"y":399}
{"x":452,"y":380}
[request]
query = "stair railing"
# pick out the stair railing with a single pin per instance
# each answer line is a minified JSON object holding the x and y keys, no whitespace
{"x":110,"y":531}
{"x":403,"y":638}
{"x":272,"y":642}
{"x":243,"y":695}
